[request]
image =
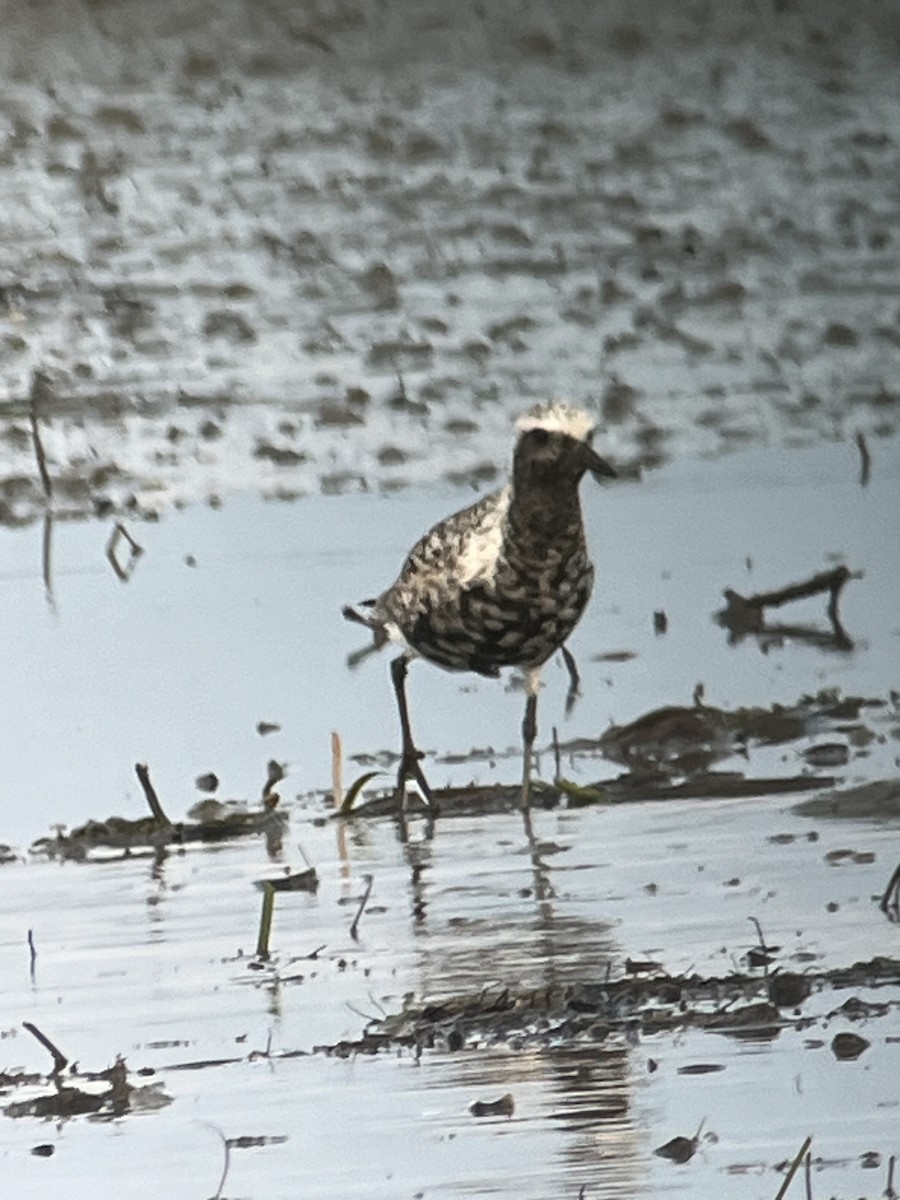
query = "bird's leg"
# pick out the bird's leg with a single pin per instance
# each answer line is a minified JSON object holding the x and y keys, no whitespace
{"x":409,"y":755}
{"x":529,"y":733}
{"x":574,"y":679}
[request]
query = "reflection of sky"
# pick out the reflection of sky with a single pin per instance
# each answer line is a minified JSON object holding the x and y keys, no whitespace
{"x":177,"y":666}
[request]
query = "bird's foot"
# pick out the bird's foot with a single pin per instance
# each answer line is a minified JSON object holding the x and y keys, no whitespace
{"x":410,"y":769}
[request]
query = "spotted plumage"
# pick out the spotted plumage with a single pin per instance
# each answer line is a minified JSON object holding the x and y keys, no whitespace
{"x":503,"y":582}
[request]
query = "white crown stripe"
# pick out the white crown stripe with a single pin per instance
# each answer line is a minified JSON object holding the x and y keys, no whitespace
{"x":558,"y":418}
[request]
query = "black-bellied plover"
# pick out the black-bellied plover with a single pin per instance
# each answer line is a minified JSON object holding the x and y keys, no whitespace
{"x":500,"y":584}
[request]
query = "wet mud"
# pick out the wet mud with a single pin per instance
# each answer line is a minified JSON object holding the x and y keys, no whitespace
{"x":338,"y":250}
{"x":752,"y":1007}
{"x":670,"y":754}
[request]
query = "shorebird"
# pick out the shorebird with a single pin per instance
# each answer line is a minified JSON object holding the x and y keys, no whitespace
{"x":501,"y":583}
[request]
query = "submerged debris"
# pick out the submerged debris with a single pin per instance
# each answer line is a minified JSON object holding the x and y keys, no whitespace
{"x":746,"y":614}
{"x":593,"y":1012}
{"x":669,"y":754}
{"x":215,"y":822}
{"x":504,"y":1106}
{"x":59,"y":1100}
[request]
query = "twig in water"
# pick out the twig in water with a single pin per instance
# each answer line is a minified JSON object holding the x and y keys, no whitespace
{"x":265,"y":921}
{"x":865,"y":460}
{"x":807,"y":1171}
{"x":275,"y":772}
{"x":889,"y":1192}
{"x":369,"y":1017}
{"x":370,"y":879}
{"x":143,"y":773}
{"x":118,"y":534}
{"x":40,"y":390}
{"x":401,"y":387}
{"x":889,"y":901}
{"x":60,"y":1062}
{"x":47,"y":557}
{"x":337,"y":769}
{"x":33,"y":952}
{"x":354,"y":790}
{"x":764,"y":949}
{"x":804,"y":1150}
{"x":227,"y":1163}
{"x":574,"y":679}
{"x":744,"y":614}
{"x":557,"y":756}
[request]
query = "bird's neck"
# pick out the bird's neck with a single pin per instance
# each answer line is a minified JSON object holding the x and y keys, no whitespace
{"x":549,"y":515}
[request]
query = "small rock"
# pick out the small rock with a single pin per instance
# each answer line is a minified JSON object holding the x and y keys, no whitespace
{"x":827,"y":754}
{"x":848,"y":1046}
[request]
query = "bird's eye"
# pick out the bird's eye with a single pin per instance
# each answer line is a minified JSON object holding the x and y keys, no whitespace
{"x":540,"y":437}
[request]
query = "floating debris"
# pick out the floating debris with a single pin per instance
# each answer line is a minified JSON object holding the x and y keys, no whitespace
{"x":745,"y":615}
{"x":218,"y":822}
{"x":505,"y":1106}
{"x":681,"y":1149}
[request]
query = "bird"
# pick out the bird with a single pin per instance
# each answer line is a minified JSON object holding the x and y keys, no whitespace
{"x":501,"y":583}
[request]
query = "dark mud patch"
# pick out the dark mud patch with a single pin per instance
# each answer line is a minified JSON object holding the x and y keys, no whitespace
{"x":209,"y":821}
{"x":626,"y":789}
{"x":214,"y":821}
{"x":745,"y":1006}
{"x":190,"y":263}
{"x":670,"y":754}
{"x":125,"y":838}
{"x":106,"y":1094}
{"x":878,"y":800}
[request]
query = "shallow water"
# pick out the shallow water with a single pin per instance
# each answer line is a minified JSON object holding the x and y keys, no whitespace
{"x":168,"y":666}
{"x":157,"y":953}
{"x":178,"y":666}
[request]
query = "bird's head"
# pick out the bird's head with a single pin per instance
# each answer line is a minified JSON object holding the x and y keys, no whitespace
{"x":555,"y":445}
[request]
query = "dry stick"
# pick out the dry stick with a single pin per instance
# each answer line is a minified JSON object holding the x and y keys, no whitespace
{"x":33,"y":952}
{"x":370,"y":879}
{"x":807,"y":1171}
{"x":143,"y":773}
{"x":804,"y":1150}
{"x":60,"y":1062}
{"x":265,"y":921}
{"x":337,"y":769}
